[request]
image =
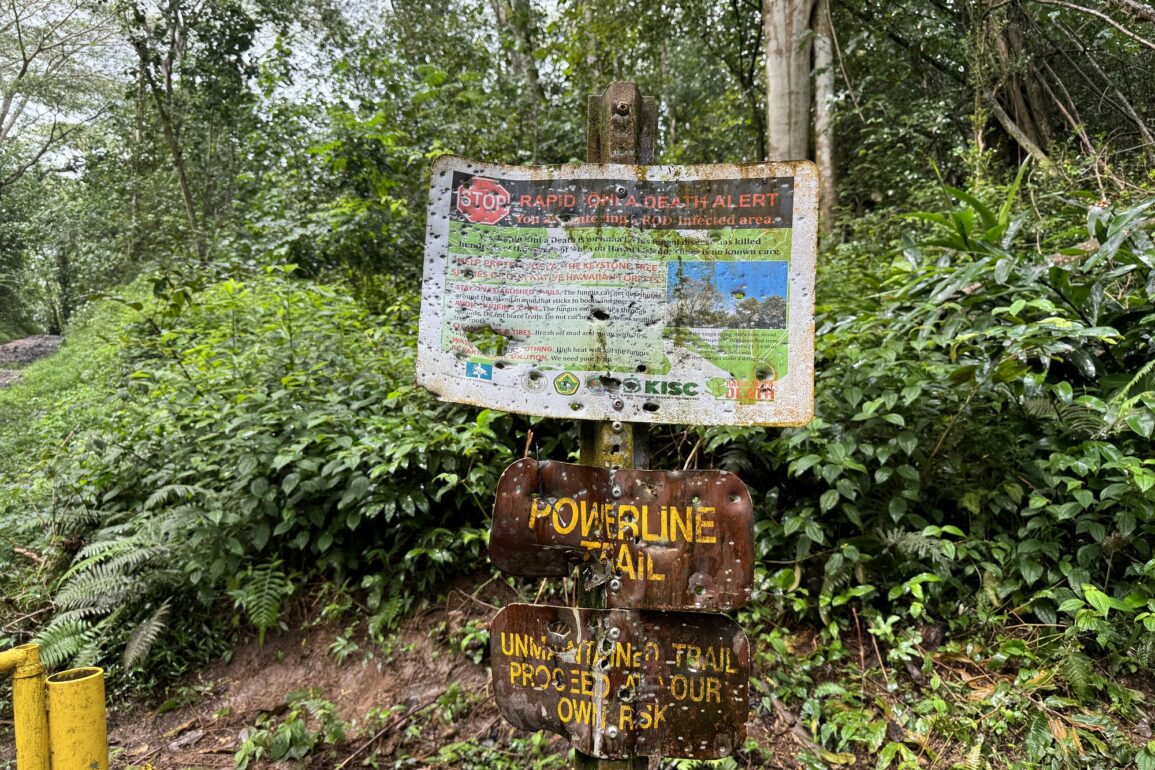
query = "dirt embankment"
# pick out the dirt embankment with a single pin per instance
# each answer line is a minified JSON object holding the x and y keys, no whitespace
{"x":19,"y":353}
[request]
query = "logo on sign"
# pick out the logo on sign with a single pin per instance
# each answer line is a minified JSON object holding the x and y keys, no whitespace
{"x":566,"y":383}
{"x":660,"y":387}
{"x":750,"y":390}
{"x":671,"y":388}
{"x":483,"y":201}
{"x":476,"y":371}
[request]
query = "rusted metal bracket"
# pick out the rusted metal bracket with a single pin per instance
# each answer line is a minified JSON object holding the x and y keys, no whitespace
{"x":621,"y":127}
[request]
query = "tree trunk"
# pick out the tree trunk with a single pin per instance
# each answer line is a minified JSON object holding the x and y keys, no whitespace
{"x":824,"y":115}
{"x":786,"y":27}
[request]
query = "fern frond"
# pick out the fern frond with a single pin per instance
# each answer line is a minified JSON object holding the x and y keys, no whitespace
{"x":974,"y":757}
{"x":1075,"y":670}
{"x":1136,"y":383}
{"x":168,"y":492}
{"x":1077,"y":420}
{"x":1039,"y":407}
{"x":80,"y":613}
{"x":143,"y":636}
{"x":96,"y":552}
{"x":130,"y":561}
{"x":1080,"y":421}
{"x":914,"y":544}
{"x":1144,"y":652}
{"x":96,"y":590}
{"x":61,"y":641}
{"x":98,"y":637}
{"x":261,"y":596}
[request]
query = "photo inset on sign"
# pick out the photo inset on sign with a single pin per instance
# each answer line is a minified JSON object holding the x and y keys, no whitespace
{"x":730,"y":319}
{"x":727,"y":295}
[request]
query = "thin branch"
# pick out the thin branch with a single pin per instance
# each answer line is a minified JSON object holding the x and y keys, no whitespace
{"x":1140,"y":11}
{"x":1018,"y":134}
{"x":1100,"y":15}
{"x":842,"y":65}
{"x":1120,"y":101}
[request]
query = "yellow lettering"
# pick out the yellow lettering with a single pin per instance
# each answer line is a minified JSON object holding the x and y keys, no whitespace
{"x":575,"y":675}
{"x":626,"y":717}
{"x":713,"y":690}
{"x":650,"y":569}
{"x":623,"y":654}
{"x":682,"y":687}
{"x":536,"y":513}
{"x":677,"y":523}
{"x":646,"y":533}
{"x":589,"y":518}
{"x":700,"y":523}
{"x":559,"y":527}
{"x":627,"y":521}
{"x":652,"y":715}
{"x":594,"y":545}
{"x":626,"y":562}
{"x":584,"y":714}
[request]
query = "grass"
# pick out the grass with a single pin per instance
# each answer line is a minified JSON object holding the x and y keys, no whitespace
{"x":41,"y":417}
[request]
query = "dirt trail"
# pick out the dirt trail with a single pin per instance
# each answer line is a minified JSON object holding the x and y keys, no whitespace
{"x":19,"y":353}
{"x":423,"y":682}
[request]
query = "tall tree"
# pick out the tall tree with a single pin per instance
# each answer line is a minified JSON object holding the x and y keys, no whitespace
{"x":56,"y":59}
{"x":788,"y":44}
{"x":824,"y":96}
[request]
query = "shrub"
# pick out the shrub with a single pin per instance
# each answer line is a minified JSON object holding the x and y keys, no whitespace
{"x":982,"y":440}
{"x":268,"y":434}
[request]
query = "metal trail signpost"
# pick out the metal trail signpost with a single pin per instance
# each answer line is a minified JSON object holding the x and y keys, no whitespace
{"x":623,"y":294}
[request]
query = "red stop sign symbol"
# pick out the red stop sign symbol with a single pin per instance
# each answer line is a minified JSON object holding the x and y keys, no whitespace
{"x":483,"y":201}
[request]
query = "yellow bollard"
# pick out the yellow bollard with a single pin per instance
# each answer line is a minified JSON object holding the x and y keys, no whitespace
{"x":77,"y":728}
{"x":28,"y":707}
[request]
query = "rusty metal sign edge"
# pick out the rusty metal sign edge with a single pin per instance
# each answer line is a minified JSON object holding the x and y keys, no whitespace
{"x":616,"y":691}
{"x":660,"y":540}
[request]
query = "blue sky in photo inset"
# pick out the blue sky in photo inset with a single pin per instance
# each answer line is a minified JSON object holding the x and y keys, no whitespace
{"x":761,"y":279}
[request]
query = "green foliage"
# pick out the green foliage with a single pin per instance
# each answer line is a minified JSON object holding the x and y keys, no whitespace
{"x":310,"y":723}
{"x":986,"y":423}
{"x":267,"y":430}
{"x":261,"y":592}
{"x":532,"y":751}
{"x":979,"y":471}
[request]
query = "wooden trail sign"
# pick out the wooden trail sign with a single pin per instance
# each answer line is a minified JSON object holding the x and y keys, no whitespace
{"x":674,"y":540}
{"x":623,"y":683}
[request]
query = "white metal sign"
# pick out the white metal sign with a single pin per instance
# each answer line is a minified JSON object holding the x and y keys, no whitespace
{"x":661,"y":294}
